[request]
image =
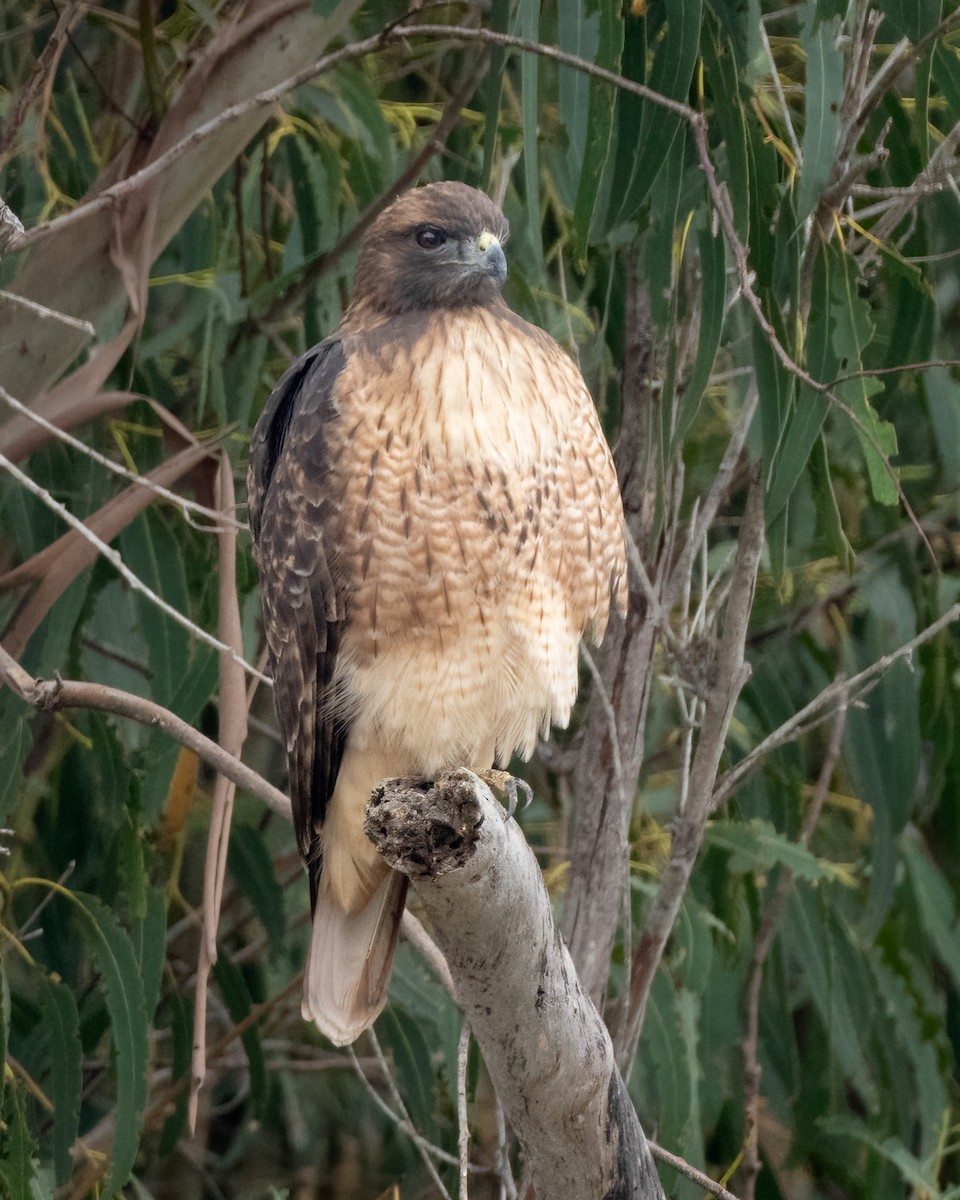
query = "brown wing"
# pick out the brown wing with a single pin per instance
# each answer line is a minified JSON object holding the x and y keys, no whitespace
{"x":292,"y":517}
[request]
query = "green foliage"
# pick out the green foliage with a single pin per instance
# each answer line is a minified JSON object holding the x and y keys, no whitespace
{"x":851,"y":257}
{"x":62,"y":1023}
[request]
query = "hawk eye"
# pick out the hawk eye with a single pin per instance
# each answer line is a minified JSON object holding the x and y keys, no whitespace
{"x":429,"y":237}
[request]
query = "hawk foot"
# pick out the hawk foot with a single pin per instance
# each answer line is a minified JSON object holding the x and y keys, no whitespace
{"x":506,"y":788}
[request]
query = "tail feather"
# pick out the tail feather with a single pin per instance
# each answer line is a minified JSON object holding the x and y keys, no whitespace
{"x":348,"y":968}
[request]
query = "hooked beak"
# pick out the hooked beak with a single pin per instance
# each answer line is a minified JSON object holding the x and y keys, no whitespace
{"x":490,"y":258}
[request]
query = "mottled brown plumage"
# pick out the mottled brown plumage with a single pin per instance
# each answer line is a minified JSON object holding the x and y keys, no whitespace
{"x":437,"y":524}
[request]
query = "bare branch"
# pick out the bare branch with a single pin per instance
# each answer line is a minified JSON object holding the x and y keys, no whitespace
{"x":691,"y":1172}
{"x":460,"y":33}
{"x":719,"y":489}
{"x":729,"y":675}
{"x":463,"y":1123}
{"x":778,"y":88}
{"x":603,"y":697}
{"x":426,"y":1149}
{"x":43,"y":71}
{"x":822,"y":705}
{"x":181,"y":502}
{"x":114,"y":558}
{"x":233,"y":733}
{"x":547,"y":1050}
{"x":55,"y":695}
{"x":41,"y":310}
{"x":607,"y":765}
{"x":418,"y":937}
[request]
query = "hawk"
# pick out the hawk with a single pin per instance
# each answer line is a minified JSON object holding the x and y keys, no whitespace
{"x":437,"y":523}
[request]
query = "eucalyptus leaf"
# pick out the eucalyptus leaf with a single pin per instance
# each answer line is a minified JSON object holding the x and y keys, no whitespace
{"x":252,"y":870}
{"x":823,"y":92}
{"x":236,"y":996}
{"x":599,"y":126}
{"x":647,"y":131}
{"x":17,"y":1147}
{"x":757,"y":846}
{"x":62,"y":1026}
{"x":123,"y":992}
{"x":529,"y":75}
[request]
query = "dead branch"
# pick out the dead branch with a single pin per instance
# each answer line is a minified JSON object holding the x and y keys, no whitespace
{"x":544,"y":1043}
{"x":730,"y":673}
{"x":607,"y":766}
{"x":233,"y":733}
{"x":186,"y":506}
{"x":44,"y":69}
{"x":55,"y":695}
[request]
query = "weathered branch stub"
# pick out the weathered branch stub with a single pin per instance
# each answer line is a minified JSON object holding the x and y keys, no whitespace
{"x":544,"y":1043}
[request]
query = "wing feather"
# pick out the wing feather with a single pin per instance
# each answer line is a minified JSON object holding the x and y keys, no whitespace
{"x":294,"y":516}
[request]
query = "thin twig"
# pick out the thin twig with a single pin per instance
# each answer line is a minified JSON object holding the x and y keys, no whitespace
{"x":461,"y":33}
{"x":820,"y":707}
{"x":730,"y":674}
{"x":114,"y":558}
{"x":48,"y":314}
{"x":750,"y":1166}
{"x":508,"y":1189}
{"x":233,"y":732}
{"x":657,"y":613}
{"x":719,"y":489}
{"x":463,"y":1123}
{"x":691,"y":1172}
{"x":613,"y":738}
{"x":417,"y":936}
{"x":778,"y":87}
{"x":53,"y":695}
{"x":219,"y":519}
{"x":44,"y":69}
{"x":610,"y":713}
{"x":25,"y":926}
{"x":427,"y":1150}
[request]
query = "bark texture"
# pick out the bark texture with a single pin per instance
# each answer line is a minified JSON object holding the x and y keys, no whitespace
{"x":546,"y":1048}
{"x":608,"y":766}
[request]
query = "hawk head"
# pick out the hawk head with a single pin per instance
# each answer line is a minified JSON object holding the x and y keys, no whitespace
{"x":439,"y":246}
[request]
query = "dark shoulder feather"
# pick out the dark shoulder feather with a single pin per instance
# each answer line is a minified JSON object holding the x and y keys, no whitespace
{"x":292,"y":515}
{"x":316,"y":371}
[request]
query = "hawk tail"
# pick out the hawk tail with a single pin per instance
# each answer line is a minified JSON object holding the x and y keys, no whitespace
{"x":348,"y":967}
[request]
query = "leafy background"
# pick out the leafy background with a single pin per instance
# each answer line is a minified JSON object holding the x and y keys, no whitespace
{"x":828,"y":881}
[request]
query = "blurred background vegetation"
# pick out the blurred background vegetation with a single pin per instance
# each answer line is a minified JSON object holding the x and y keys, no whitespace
{"x":832,"y":130}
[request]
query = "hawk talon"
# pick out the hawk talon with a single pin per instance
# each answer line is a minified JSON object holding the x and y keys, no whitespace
{"x":506,"y":788}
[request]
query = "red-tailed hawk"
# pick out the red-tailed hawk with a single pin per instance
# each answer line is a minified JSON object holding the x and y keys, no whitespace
{"x":437,"y":523}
